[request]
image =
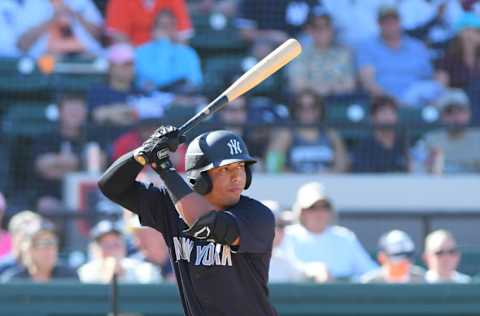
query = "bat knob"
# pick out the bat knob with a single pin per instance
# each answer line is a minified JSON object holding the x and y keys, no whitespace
{"x":140,"y":159}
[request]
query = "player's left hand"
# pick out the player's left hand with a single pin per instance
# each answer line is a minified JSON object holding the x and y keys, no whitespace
{"x":157,"y":147}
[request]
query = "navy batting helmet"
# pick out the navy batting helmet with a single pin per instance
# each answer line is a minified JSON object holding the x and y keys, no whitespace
{"x":211,"y":150}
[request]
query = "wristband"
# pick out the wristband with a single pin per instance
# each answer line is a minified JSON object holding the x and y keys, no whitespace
{"x":176,"y":186}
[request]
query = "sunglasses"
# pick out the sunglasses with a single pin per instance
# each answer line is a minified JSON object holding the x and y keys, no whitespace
{"x":444,"y":252}
{"x":46,"y":243}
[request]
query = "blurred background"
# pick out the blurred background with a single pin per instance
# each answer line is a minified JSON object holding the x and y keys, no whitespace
{"x":368,"y":144}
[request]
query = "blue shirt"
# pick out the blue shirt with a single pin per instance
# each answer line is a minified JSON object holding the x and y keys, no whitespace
{"x":162,"y":62}
{"x":396,"y":68}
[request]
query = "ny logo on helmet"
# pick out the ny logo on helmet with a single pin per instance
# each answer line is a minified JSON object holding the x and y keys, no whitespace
{"x":234,"y":146}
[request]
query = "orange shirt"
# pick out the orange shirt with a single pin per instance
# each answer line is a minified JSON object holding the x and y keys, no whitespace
{"x":133,"y":19}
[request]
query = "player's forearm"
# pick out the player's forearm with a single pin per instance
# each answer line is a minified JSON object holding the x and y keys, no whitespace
{"x":189,"y":204}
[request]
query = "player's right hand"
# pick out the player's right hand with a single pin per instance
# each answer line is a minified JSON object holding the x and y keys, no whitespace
{"x":156,"y":148}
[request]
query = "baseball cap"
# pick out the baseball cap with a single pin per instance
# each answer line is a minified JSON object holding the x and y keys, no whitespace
{"x":387,"y":11}
{"x":120,"y":53}
{"x":453,"y":98}
{"x":397,"y":244}
{"x":104,"y":227}
{"x":309,"y":194}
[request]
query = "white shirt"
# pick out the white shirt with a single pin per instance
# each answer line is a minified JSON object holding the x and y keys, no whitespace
{"x":10,"y":28}
{"x":363,"y":12}
{"x":35,"y":12}
{"x":337,"y":247}
{"x":135,"y":271}
{"x":457,"y":277}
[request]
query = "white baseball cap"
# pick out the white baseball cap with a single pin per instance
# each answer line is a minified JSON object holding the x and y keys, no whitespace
{"x":397,"y":244}
{"x":309,"y":194}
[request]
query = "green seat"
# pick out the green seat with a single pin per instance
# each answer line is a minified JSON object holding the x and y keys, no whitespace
{"x":470,"y":262}
{"x":216,"y":71}
{"x":27,"y":120}
{"x":211,"y":39}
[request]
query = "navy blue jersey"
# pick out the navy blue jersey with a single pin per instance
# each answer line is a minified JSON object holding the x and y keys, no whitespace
{"x":216,"y":279}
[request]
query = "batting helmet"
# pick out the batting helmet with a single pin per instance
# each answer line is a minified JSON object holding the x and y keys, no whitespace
{"x":211,"y":150}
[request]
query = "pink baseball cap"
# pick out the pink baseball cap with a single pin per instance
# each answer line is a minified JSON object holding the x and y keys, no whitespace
{"x":120,"y":53}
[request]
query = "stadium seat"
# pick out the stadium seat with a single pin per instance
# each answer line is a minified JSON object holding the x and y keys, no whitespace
{"x":216,"y":34}
{"x":26,"y":119}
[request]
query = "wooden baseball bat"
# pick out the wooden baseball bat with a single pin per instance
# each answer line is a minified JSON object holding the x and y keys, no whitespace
{"x":278,"y":58}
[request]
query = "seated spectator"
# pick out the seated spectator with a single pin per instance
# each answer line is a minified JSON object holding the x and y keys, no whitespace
{"x":442,"y":258}
{"x":284,"y":266}
{"x":20,"y":225}
{"x":10,"y":24}
{"x":133,"y":20}
{"x":397,"y":65}
{"x":323,"y":67}
{"x":273,"y":19}
{"x":432,"y":22}
{"x":60,"y":28}
{"x":456,"y":148}
{"x":386,"y":150}
{"x":5,"y":237}
{"x":460,"y":64}
{"x":40,"y":257}
{"x":308,"y":147}
{"x":61,"y":152}
{"x":165,"y":64}
{"x":396,"y":250}
{"x":317,"y":239}
{"x":149,"y":246}
{"x":364,"y":13}
{"x":109,"y":258}
{"x":108,"y":103}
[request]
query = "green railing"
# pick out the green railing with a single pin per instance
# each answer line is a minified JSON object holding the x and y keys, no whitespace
{"x":62,"y":299}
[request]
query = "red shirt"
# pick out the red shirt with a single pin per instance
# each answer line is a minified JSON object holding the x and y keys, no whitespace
{"x":135,"y":20}
{"x":131,"y":140}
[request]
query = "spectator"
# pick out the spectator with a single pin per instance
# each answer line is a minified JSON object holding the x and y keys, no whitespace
{"x":61,"y":152}
{"x":109,"y":251}
{"x":385,"y":150}
{"x":284,"y":266}
{"x":461,"y":62}
{"x":317,"y":239}
{"x":165,"y":64}
{"x":5,"y":237}
{"x":109,"y":102}
{"x":40,"y":257}
{"x":309,"y":147}
{"x":150,"y":246}
{"x":10,"y":24}
{"x":396,"y":64}
{"x":362,"y":12}
{"x":20,"y":225}
{"x":456,"y":148}
{"x":276,"y":20}
{"x":323,"y":67}
{"x":60,"y":28}
{"x":442,"y":257}
{"x":396,"y":250}
{"x":133,"y":20}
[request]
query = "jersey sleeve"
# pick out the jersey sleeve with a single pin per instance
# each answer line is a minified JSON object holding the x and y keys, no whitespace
{"x":256,"y":226}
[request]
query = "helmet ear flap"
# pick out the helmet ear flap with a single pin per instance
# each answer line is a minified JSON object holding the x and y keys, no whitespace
{"x":248,"y":174}
{"x":201,"y":182}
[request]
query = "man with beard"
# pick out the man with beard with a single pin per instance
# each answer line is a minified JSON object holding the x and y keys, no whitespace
{"x":386,"y":149}
{"x":455,"y":148}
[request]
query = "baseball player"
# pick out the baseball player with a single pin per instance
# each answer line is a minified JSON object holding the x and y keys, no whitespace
{"x":220,"y":241}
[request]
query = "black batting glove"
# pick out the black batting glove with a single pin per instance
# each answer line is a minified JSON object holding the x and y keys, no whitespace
{"x":157,"y":147}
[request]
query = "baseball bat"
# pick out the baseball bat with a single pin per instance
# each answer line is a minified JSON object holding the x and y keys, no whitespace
{"x":270,"y":64}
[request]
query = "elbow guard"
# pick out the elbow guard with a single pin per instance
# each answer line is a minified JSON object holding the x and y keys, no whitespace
{"x":215,"y":226}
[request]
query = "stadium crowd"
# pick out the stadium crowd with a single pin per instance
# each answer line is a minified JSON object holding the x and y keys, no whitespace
{"x":386,"y":66}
